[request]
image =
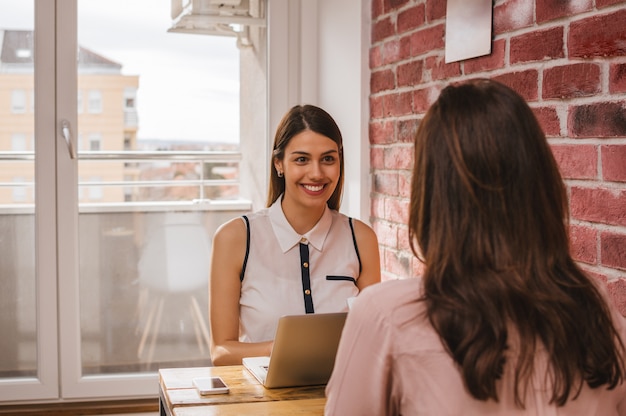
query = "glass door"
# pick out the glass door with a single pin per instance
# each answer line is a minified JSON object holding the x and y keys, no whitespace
{"x":157,"y":154}
{"x":121,"y":136}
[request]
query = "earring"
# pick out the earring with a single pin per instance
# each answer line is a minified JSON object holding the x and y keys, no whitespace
{"x":280,"y":173}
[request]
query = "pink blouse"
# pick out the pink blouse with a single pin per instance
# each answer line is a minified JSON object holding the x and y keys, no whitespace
{"x":391,"y":362}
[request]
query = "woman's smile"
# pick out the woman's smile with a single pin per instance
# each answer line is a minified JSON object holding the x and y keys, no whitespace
{"x":314,"y":189}
{"x":311,"y":169}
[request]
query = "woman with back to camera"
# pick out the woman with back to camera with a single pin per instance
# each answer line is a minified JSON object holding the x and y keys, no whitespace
{"x":503,"y":321}
{"x":254,"y":282}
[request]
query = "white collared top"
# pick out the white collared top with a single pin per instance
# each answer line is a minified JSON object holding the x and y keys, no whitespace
{"x":272,"y":284}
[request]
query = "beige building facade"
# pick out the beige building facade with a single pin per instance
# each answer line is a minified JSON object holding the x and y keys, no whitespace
{"x":107,"y":121}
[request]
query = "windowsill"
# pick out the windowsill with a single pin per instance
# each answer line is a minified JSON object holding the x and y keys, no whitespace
{"x":113,"y":407}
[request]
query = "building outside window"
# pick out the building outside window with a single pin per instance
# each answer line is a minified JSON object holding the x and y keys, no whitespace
{"x":94,"y":105}
{"x":95,"y":142}
{"x":18,"y":101}
{"x":130,"y":95}
{"x":18,"y":142}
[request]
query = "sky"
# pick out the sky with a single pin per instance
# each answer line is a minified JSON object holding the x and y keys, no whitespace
{"x":188,"y":84}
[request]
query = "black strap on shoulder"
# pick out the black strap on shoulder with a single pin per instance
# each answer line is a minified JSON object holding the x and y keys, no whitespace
{"x":245,"y":259}
{"x":356,"y":247}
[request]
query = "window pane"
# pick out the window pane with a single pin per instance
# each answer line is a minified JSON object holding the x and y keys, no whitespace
{"x":18,"y":321}
{"x":172,"y":101}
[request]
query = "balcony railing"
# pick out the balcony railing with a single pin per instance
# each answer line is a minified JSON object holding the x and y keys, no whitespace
{"x":149,"y":178}
{"x":137,"y":155}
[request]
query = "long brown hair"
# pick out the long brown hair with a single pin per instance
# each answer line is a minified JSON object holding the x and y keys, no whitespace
{"x":489,"y":214}
{"x":298,"y":119}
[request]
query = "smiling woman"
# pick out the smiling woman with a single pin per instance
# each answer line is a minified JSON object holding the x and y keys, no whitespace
{"x":299,"y":255}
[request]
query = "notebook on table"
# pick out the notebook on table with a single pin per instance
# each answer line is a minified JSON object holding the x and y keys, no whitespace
{"x":303,"y":353}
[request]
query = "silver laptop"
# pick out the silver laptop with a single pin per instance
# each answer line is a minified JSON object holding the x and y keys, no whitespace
{"x":303,"y":353}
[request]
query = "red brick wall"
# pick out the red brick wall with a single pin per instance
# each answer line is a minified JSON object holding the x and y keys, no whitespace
{"x":567,"y":58}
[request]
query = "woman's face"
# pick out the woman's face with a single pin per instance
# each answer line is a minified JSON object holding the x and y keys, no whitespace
{"x":311,"y":166}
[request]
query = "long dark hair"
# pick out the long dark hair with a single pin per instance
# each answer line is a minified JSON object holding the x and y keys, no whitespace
{"x":489,"y":214}
{"x":298,"y":119}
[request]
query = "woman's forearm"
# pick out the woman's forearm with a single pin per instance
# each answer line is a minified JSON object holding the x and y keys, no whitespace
{"x":232,"y":352}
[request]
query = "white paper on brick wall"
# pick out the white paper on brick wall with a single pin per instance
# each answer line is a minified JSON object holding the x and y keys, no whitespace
{"x":468,"y":29}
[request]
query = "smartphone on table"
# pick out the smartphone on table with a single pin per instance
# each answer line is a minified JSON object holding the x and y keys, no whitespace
{"x":210,"y":385}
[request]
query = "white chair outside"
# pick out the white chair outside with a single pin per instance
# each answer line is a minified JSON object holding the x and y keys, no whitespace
{"x":174,"y":261}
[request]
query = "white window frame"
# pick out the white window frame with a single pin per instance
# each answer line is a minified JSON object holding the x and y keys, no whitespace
{"x":18,"y":101}
{"x":45,"y":386}
{"x":94,"y":102}
{"x":130,"y":96}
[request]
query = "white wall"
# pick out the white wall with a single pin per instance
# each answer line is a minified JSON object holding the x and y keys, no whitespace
{"x":253,"y":119}
{"x":319,"y":54}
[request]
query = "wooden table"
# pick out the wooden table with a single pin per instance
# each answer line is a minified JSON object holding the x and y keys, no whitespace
{"x":178,"y":396}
